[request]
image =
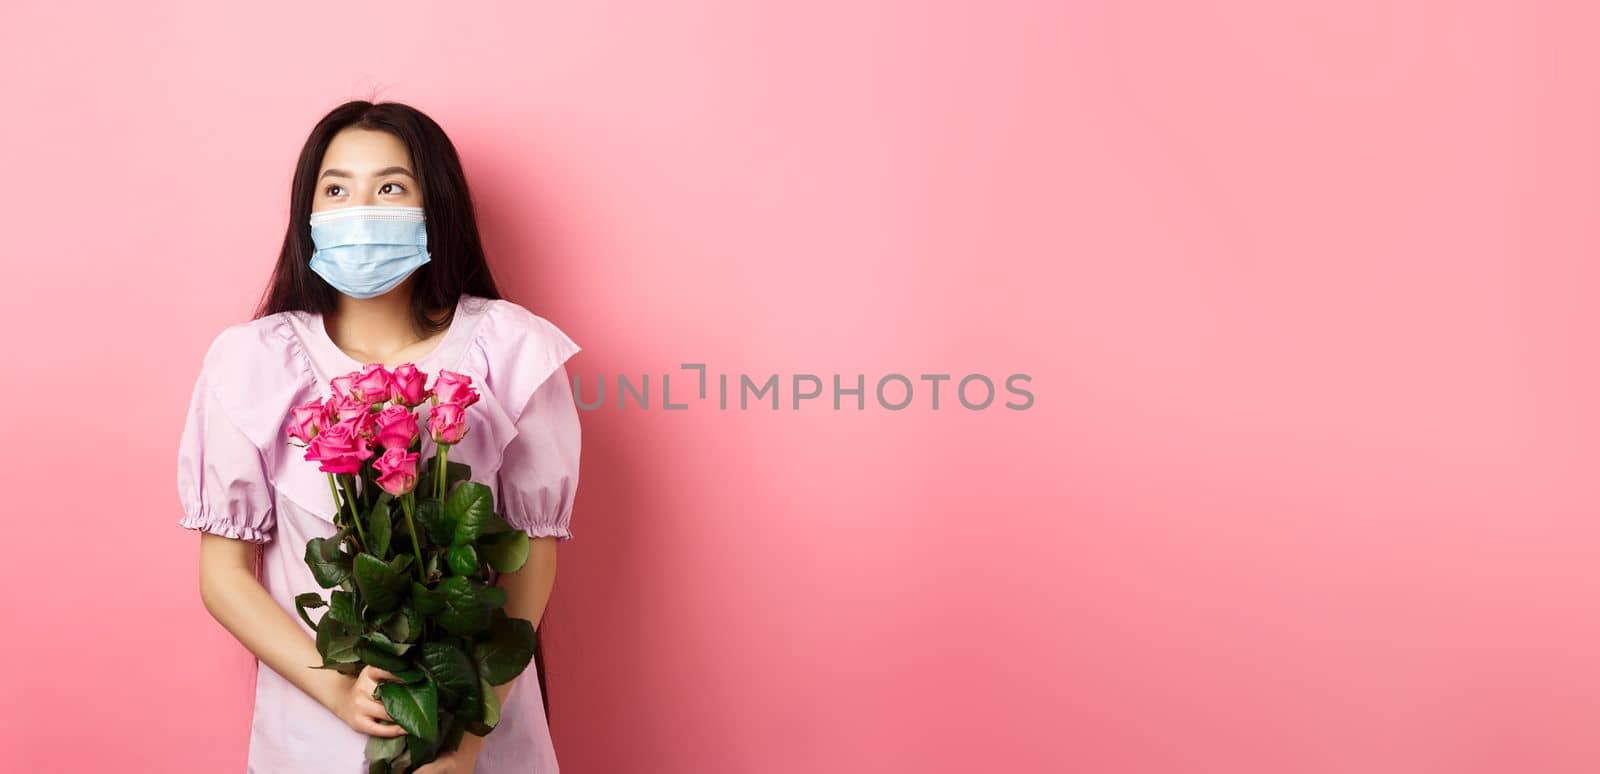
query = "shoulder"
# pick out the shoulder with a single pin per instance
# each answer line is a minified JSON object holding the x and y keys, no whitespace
{"x":249,"y":345}
{"x":517,"y":350}
{"x":257,"y":371}
{"x":508,"y":322}
{"x":510,"y":330}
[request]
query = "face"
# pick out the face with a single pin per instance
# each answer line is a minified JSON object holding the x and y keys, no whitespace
{"x":365,"y":167}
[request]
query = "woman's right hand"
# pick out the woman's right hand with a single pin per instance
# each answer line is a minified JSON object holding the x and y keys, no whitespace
{"x":363,"y":713}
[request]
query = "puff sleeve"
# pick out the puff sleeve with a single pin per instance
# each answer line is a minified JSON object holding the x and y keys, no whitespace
{"x":538,"y":477}
{"x":223,"y":485}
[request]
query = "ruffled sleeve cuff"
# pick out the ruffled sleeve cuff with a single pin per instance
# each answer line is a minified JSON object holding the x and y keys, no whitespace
{"x":223,"y":485}
{"x":207,"y":520}
{"x":539,"y":470}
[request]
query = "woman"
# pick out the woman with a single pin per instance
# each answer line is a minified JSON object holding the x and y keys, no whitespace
{"x":381,"y":264}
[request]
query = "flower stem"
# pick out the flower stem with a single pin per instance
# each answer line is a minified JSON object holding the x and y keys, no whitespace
{"x":337,"y":504}
{"x":354,"y":517}
{"x":416,"y":539}
{"x":444,"y":467}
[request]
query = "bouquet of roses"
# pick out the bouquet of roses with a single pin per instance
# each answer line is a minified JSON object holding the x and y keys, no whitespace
{"x":412,"y":577}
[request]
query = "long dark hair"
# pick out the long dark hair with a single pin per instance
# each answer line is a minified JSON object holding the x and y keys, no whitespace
{"x":457,"y":262}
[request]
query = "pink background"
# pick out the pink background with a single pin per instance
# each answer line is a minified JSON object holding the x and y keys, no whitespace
{"x":1306,"y":292}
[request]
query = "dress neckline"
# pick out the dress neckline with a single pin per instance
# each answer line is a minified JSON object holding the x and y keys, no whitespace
{"x":464,"y":318}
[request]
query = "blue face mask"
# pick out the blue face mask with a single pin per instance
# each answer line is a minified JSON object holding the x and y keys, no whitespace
{"x":365,"y":251}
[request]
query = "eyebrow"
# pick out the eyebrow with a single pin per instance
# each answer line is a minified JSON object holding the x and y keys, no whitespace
{"x":380,"y":173}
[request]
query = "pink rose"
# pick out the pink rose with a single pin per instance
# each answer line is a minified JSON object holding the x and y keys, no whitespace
{"x":346,"y":407}
{"x":396,"y":427}
{"x":305,"y":419}
{"x":373,"y":383}
{"x":340,"y":448}
{"x":366,"y":424}
{"x":330,"y":414}
{"x":344,"y":387}
{"x":397,"y":470}
{"x":408,"y":385}
{"x":455,"y":388}
{"x":448,"y":423}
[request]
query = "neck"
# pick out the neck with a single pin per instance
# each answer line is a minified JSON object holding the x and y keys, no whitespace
{"x":374,"y":325}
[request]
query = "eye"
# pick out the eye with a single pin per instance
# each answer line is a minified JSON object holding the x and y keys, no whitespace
{"x":396,"y":185}
{"x":329,"y":190}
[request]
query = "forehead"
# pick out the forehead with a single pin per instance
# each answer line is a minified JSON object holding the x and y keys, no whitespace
{"x":363,"y":151}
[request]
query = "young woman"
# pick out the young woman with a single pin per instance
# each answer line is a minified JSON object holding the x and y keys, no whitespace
{"x":381,"y":264}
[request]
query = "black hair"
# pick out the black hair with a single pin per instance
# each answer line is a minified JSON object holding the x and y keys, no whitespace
{"x":457,"y":264}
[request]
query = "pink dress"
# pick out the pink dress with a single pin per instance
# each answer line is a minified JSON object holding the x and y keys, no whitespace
{"x":238,"y":476}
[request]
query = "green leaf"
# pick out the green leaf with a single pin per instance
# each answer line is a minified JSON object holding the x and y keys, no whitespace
{"x":506,"y":552}
{"x":450,"y":738}
{"x":508,"y":649}
{"x":336,"y":642}
{"x":421,"y":750}
{"x":454,"y":673}
{"x":434,"y":523}
{"x":379,"y":525}
{"x":463,"y":560}
{"x":381,"y":584}
{"x":491,"y":705}
{"x":496,"y":525}
{"x":493,"y":596}
{"x":425,"y":600}
{"x":404,"y":625}
{"x":472,"y":710}
{"x":409,"y":674}
{"x":351,"y":668}
{"x":379,"y":651}
{"x":334,"y":545}
{"x":379,"y":655}
{"x":381,"y":640}
{"x":414,"y":706}
{"x":328,"y":564}
{"x":466,"y":610}
{"x":385,"y":748}
{"x":491,"y":711}
{"x":343,"y":608}
{"x":309,"y":599}
{"x":470,"y":507}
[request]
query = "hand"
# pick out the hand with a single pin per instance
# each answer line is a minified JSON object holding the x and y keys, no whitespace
{"x":360,"y":711}
{"x":457,"y":761}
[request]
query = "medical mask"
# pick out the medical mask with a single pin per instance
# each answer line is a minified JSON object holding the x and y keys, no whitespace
{"x":365,"y":251}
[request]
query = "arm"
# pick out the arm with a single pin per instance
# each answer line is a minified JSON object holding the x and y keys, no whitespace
{"x":538,"y":481}
{"x":227,"y":494}
{"x":234,"y":597}
{"x":527,"y":593}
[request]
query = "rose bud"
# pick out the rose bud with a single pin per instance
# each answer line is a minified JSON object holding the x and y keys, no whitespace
{"x":305,"y":419}
{"x":452,"y":387}
{"x":397,"y":427}
{"x":448,"y":423}
{"x":397,"y":470}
